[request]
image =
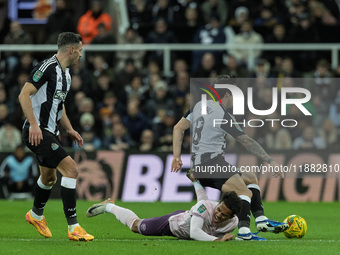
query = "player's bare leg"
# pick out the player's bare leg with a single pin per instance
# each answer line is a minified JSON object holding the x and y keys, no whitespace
{"x":69,"y":169}
{"x":262,"y":223}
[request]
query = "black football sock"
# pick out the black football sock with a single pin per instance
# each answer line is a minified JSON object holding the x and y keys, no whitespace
{"x":256,"y":201}
{"x":244,"y":215}
{"x":41,"y":196}
{"x":69,"y":196}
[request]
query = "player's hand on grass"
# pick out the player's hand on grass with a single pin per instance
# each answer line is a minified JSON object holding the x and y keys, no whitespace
{"x":176,"y":164}
{"x":226,"y":237}
{"x":35,"y":135}
{"x":76,"y":137}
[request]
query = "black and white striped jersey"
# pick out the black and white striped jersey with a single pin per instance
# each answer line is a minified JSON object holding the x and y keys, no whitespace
{"x":208,"y":137}
{"x":53,"y":85}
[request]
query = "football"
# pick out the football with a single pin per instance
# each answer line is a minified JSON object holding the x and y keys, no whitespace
{"x":297,"y":226}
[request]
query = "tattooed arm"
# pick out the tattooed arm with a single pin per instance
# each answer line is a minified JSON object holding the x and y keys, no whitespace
{"x":252,"y":146}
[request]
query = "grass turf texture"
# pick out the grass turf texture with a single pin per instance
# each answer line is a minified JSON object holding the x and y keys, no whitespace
{"x":111,"y":237}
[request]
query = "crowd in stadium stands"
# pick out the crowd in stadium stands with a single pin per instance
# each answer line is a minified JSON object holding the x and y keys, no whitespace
{"x":122,"y":100}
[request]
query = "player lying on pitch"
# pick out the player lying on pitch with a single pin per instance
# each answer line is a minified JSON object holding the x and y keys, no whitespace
{"x":205,"y":221}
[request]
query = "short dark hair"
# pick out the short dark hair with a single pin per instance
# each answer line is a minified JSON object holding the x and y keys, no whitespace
{"x":223,"y":79}
{"x":68,"y":38}
{"x":232,"y":201}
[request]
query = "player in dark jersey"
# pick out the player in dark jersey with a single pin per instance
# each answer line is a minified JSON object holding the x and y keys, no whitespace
{"x":42,"y":100}
{"x":208,"y":150}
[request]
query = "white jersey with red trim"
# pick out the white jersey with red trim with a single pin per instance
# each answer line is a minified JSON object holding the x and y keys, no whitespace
{"x":180,"y":223}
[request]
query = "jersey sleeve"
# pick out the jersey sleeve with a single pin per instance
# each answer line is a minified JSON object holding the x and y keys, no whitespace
{"x":39,"y":75}
{"x":188,"y":116}
{"x":233,"y":129}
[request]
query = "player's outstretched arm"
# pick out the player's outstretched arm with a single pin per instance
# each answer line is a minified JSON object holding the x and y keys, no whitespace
{"x":177,"y":140}
{"x":255,"y":148}
{"x":196,"y":230}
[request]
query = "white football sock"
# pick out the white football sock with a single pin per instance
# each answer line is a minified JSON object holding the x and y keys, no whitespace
{"x":35,"y":216}
{"x":244,"y":230}
{"x":261,"y":218}
{"x":72,"y":227}
{"x":125,"y":216}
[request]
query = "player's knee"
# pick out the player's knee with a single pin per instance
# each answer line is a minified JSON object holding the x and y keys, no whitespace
{"x":249,"y":178}
{"x":49,"y":180}
{"x":72,"y":171}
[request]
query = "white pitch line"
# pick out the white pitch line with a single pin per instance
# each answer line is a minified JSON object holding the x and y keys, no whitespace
{"x":143,"y":240}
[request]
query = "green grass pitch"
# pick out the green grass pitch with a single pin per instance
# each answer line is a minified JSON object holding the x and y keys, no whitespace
{"x":111,"y":237}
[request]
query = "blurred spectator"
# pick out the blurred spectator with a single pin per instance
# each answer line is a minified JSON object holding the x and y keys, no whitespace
{"x":161,"y":100}
{"x":321,"y":14}
{"x":283,"y":140}
{"x":208,"y":66}
{"x":160,"y":34}
{"x":246,"y":36}
{"x":286,"y":70}
{"x":262,"y":69}
{"x":125,"y":75}
{"x":323,"y":84}
{"x":278,"y":35}
{"x":105,"y":116}
{"x":103,"y":85}
{"x":186,"y":29}
{"x":266,"y":21}
{"x":215,"y":8}
{"x":140,"y":16}
{"x":241,"y":15}
{"x":4,"y":118}
{"x":4,"y":21}
{"x":211,"y":33}
{"x":105,"y":36}
{"x":90,"y":139}
{"x":4,"y":99}
{"x":17,"y":117}
{"x":309,"y":140}
{"x":334,"y":111}
{"x":76,"y":86}
{"x":232,"y":68}
{"x":329,"y":133}
{"x":180,"y":89}
{"x":88,"y":23}
{"x":16,"y":35}
{"x":303,"y":31}
{"x":135,"y":89}
{"x":10,"y":137}
{"x":162,"y":9}
{"x":163,"y":132}
{"x":119,"y":139}
{"x":100,"y":66}
{"x":146,"y":141}
{"x":19,"y":171}
{"x":130,"y":37}
{"x":135,"y":121}
{"x":25,"y":64}
{"x":112,"y":103}
{"x":60,"y":21}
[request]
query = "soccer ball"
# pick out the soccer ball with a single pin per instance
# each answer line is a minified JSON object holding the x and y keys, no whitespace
{"x":297,"y":226}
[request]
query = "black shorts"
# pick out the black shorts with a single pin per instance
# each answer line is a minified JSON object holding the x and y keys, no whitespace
{"x":216,"y":179}
{"x":49,"y":152}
